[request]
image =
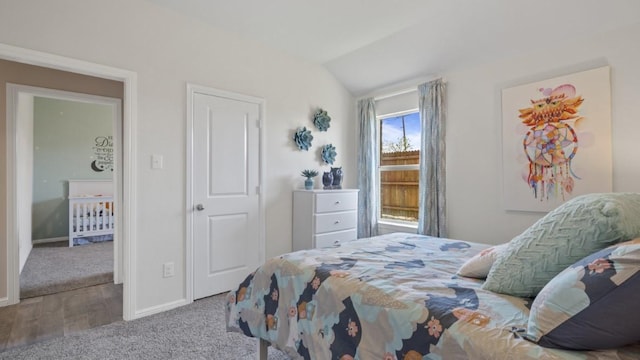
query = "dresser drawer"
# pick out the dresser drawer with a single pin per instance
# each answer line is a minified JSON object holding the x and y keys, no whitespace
{"x":335,"y":221}
{"x":322,"y":217}
{"x":338,"y":201}
{"x":335,"y":238}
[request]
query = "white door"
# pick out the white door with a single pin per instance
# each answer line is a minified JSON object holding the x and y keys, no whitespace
{"x":225,"y":192}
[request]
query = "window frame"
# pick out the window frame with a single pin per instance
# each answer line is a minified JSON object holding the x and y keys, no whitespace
{"x":392,"y":225}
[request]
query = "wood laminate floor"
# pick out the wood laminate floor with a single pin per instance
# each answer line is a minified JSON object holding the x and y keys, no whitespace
{"x":45,"y":317}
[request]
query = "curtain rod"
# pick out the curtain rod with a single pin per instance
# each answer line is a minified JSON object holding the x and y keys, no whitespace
{"x":404,"y":90}
{"x":395,"y":93}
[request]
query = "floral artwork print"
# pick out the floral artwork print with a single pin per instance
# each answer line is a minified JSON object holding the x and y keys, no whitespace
{"x":551,"y":143}
{"x":556,"y":140}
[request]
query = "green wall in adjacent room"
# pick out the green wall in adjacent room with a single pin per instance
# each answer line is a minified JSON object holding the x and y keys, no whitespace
{"x":68,"y":137}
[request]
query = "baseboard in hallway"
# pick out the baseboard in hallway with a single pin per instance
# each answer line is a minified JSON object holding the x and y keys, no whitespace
{"x":51,"y":244}
{"x":61,"y":239}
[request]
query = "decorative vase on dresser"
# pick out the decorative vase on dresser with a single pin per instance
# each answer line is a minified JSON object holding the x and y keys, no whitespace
{"x":308,"y":184}
{"x":323,"y":218}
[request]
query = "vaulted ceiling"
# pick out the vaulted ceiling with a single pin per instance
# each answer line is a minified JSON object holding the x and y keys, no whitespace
{"x":371,"y":44}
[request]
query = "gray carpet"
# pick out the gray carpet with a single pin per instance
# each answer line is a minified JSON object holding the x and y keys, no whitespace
{"x":51,"y":268}
{"x":195,"y":331}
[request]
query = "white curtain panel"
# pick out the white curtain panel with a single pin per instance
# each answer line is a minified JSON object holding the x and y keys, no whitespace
{"x":432,"y":202}
{"x":367,"y":162}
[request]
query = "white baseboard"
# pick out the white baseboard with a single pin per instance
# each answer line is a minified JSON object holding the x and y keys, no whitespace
{"x":159,"y":308}
{"x":50,"y":240}
{"x":5,"y":302}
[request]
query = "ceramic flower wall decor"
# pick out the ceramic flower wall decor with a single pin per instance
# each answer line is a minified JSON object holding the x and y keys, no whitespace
{"x":329,"y":154}
{"x":303,"y":138}
{"x":321,"y":120}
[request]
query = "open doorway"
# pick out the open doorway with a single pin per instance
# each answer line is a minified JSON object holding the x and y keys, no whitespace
{"x":67,"y":163}
{"x":47,"y":70}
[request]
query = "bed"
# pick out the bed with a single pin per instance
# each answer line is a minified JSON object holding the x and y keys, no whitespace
{"x":91,"y":211}
{"x":396,"y":296}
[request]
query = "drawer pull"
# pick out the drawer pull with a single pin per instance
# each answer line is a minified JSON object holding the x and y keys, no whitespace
{"x":338,"y":202}
{"x":337,"y":222}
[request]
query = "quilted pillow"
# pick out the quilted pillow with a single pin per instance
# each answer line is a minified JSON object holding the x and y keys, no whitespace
{"x":592,"y":304}
{"x":575,"y":229}
{"x":478,"y":266}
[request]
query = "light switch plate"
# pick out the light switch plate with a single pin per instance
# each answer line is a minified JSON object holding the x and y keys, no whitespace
{"x":168,"y":270}
{"x":156,"y":161}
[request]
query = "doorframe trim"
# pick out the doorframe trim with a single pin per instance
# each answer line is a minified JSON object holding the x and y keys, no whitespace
{"x":129,"y":172}
{"x":192,"y":90}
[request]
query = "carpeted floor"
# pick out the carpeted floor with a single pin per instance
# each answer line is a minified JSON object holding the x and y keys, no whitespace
{"x":51,"y":268}
{"x":195,"y":331}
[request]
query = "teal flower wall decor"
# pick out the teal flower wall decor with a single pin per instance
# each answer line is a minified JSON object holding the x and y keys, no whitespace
{"x":321,"y":120}
{"x":329,"y":154}
{"x":303,"y":138}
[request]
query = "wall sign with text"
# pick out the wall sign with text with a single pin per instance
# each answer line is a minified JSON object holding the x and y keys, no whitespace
{"x":103,"y":154}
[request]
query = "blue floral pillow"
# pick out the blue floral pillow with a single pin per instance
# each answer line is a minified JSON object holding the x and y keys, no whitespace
{"x":592,"y":304}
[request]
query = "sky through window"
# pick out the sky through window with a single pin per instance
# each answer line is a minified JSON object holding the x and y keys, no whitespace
{"x":392,"y":133}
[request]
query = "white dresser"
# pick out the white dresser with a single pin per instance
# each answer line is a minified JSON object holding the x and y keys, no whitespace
{"x":323,"y":218}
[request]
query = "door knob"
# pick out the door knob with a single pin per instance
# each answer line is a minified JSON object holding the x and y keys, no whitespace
{"x":199,"y":207}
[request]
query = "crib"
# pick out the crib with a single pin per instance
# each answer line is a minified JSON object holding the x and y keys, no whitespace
{"x":91,"y":210}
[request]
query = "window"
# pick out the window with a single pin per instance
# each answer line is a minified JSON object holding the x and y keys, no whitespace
{"x":398,"y":170}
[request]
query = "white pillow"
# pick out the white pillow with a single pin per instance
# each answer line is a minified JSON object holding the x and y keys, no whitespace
{"x":479,"y":265}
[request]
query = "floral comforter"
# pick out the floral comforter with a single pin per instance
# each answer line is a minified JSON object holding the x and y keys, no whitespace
{"x":390,"y":297}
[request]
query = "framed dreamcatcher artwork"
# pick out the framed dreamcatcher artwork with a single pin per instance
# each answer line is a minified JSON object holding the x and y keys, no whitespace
{"x":556,"y":140}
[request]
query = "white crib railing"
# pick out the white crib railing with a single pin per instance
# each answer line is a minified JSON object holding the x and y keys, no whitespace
{"x":90,"y":216}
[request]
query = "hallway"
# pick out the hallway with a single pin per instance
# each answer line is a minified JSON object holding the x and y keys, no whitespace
{"x":45,"y":317}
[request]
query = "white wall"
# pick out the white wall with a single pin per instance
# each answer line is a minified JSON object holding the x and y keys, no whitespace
{"x":168,"y":50}
{"x":474,"y":172}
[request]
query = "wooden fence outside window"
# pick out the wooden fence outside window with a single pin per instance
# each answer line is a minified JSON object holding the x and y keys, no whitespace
{"x":399,"y":188}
